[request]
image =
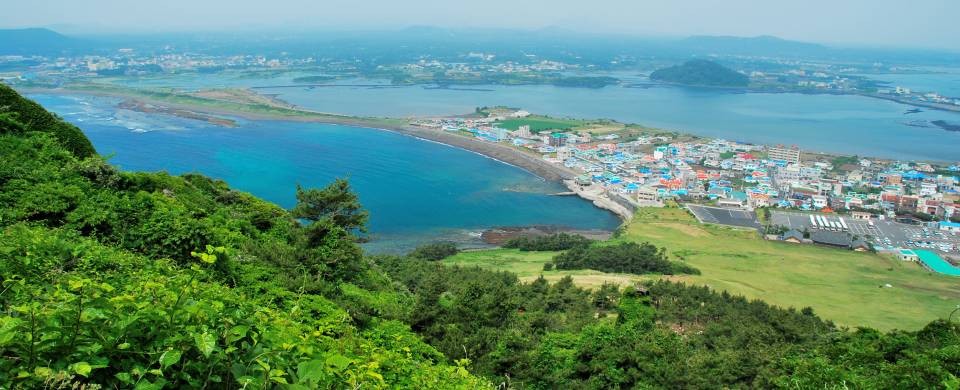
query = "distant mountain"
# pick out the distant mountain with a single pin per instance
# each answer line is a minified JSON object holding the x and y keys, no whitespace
{"x":701,"y":73}
{"x":28,"y":41}
{"x":761,"y":45}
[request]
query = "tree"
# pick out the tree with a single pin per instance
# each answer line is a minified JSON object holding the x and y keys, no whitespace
{"x":334,"y":204}
{"x":435,"y":251}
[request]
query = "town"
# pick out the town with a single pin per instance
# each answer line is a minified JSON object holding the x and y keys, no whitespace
{"x":910,"y":209}
{"x":461,"y":68}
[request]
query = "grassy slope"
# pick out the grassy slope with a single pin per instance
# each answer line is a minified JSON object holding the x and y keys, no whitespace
{"x":842,"y":286}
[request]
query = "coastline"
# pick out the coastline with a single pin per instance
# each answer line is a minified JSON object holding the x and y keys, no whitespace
{"x":499,"y":152}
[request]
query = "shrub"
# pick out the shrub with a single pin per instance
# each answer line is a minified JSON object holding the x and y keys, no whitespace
{"x":624,"y":258}
{"x":435,"y":251}
{"x":553,"y":242}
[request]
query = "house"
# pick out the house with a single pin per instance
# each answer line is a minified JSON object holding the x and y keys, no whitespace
{"x":907,"y":255}
{"x":951,"y":227}
{"x":860,"y":245}
{"x":836,"y":239}
{"x":819,"y":201}
{"x":792,"y":236}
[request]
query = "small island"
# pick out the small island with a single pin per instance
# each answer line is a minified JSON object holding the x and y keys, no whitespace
{"x":701,"y":73}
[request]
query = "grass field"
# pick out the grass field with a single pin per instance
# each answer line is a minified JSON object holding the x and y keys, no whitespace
{"x":840,"y":285}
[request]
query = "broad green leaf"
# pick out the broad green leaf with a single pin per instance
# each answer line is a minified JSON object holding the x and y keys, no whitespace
{"x":81,"y":368}
{"x":310,"y":371}
{"x":338,"y":362}
{"x":8,"y":329}
{"x":124,"y":377}
{"x":236,"y":333}
{"x":169,"y":358}
{"x":206,"y":343}
{"x":147,"y":385}
{"x":42,"y":372}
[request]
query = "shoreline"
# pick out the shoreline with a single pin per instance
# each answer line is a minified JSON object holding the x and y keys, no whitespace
{"x":499,"y":152}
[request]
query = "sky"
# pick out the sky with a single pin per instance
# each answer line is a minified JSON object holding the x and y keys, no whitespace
{"x":916,"y":23}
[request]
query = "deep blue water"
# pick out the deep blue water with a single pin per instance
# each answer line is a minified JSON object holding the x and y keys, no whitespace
{"x":416,"y":190}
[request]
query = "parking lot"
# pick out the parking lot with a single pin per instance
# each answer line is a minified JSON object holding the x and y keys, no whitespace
{"x":724,"y":216}
{"x":881,"y":234}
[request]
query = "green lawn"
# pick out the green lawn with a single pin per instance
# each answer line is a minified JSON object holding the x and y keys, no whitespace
{"x":840,"y":285}
{"x":539,"y":123}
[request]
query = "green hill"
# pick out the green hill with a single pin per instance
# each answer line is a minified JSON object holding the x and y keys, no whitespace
{"x":33,"y":41}
{"x":34,"y":117}
{"x":701,"y":73}
{"x":146,"y":280}
{"x":112,"y":279}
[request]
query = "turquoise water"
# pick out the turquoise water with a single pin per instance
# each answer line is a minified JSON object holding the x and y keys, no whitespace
{"x":416,"y":191}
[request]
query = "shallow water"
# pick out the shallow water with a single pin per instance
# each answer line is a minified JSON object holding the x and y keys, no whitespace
{"x":416,"y":191}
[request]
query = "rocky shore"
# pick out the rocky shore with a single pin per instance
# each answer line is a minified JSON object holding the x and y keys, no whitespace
{"x":596,"y":194}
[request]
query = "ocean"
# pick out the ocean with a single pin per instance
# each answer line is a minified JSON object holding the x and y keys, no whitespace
{"x":416,"y":191}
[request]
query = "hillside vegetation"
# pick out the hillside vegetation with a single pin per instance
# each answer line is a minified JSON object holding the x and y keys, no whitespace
{"x":19,"y":115}
{"x":701,"y":73}
{"x":152,"y":281}
{"x":112,"y":279}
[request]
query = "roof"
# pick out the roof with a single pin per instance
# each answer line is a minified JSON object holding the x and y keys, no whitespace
{"x":831,"y":238}
{"x":859,"y":243}
{"x":950,"y":224}
{"x":792,"y":234}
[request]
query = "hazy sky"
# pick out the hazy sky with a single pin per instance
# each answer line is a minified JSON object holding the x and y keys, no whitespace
{"x":919,"y":23}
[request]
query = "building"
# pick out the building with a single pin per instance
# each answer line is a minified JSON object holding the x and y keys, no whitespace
{"x":837,"y":239}
{"x":524,"y":131}
{"x":790,"y":155}
{"x":951,"y":227}
{"x":860,"y":215}
{"x":558,"y":139}
{"x":907,"y":255}
{"x":819,"y":201}
{"x":792,"y":236}
{"x":860,"y":245}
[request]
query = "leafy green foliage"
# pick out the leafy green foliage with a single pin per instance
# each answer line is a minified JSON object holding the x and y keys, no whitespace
{"x":553,"y":242}
{"x":701,"y":73}
{"x":33,"y":117}
{"x":145,"y":280}
{"x":490,"y":317}
{"x":627,"y":257}
{"x":435,"y":251}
